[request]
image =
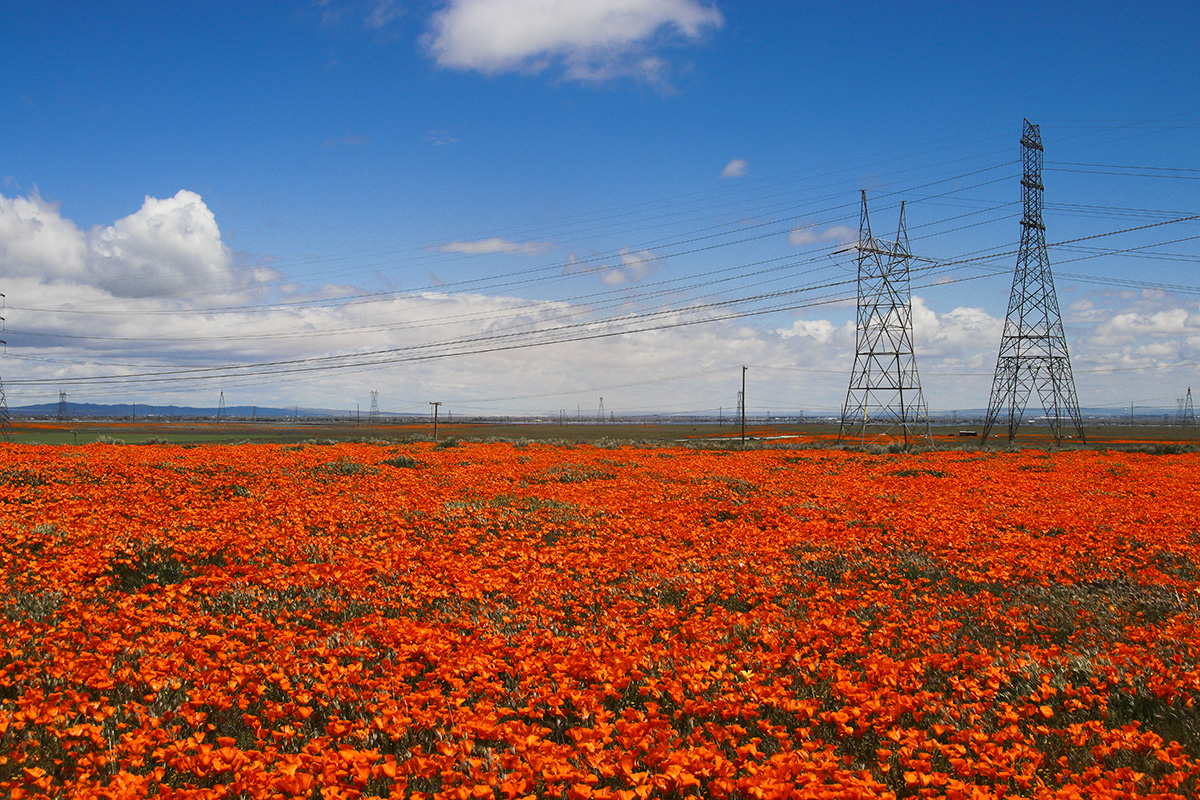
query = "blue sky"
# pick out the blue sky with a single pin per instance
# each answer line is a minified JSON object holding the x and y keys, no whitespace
{"x":368,"y":195}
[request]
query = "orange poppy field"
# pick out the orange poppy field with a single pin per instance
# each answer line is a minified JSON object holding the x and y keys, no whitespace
{"x":508,"y":620}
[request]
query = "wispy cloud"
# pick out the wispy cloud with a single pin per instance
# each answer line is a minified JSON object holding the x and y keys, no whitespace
{"x":349,"y":140}
{"x":381,"y":14}
{"x":635,"y":266}
{"x":496,"y":245}
{"x":373,"y":15}
{"x":734,"y":169}
{"x":811,"y":234}
{"x":589,"y":41}
{"x":439,"y":138}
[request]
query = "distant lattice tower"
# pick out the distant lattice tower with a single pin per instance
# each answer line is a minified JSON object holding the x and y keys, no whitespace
{"x":62,"y":405}
{"x":600,"y":414}
{"x":5,"y":421}
{"x":1187,"y":414}
{"x":221,"y":407}
{"x":884,"y":398}
{"x":373,"y":414}
{"x":1033,"y":348}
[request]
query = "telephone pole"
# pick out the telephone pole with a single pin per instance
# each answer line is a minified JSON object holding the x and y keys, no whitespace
{"x":1033,"y":349}
{"x":435,"y":418}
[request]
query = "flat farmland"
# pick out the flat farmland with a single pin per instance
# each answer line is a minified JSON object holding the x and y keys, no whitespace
{"x":511,"y":620}
{"x":778,"y":434}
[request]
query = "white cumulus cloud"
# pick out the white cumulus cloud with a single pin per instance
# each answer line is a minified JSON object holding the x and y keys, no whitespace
{"x":590,"y":41}
{"x":167,"y":246}
{"x":1167,"y":322}
{"x":960,"y":338}
{"x":36,"y":241}
{"x":821,"y":331}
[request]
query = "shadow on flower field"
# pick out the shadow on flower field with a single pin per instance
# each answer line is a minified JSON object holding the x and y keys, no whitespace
{"x":500,"y":620}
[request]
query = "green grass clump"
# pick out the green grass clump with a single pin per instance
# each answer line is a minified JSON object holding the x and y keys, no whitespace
{"x":401,"y":462}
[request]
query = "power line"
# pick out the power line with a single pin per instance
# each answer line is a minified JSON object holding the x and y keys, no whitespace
{"x":307,"y":364}
{"x":398,"y":355}
{"x":1127,"y":174}
{"x":531,"y":329}
{"x":1118,"y":166}
{"x":569,"y":268}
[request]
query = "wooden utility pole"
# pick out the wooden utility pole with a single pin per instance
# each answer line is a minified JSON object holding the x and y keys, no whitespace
{"x":435,"y":413}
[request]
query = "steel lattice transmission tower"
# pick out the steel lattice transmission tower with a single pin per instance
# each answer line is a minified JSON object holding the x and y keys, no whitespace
{"x":1187,"y":412}
{"x":4,"y":416}
{"x":62,"y":405}
{"x":884,"y":398}
{"x":1033,"y":348}
{"x":5,"y":421}
{"x":373,"y":414}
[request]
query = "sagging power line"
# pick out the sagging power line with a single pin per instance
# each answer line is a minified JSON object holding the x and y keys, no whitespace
{"x":535,"y":333}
